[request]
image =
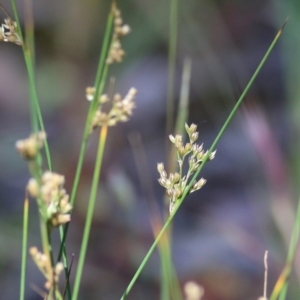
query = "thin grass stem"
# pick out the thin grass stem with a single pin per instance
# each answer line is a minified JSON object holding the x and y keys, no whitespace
{"x":90,"y":211}
{"x":281,"y":285}
{"x":100,"y":80}
{"x":24,"y":248}
{"x":169,"y":278}
{"x":36,"y":115}
{"x":183,"y":112}
{"x":221,"y":132}
{"x":173,"y":25}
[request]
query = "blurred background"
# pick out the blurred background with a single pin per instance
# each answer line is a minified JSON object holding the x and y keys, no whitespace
{"x":248,"y":204}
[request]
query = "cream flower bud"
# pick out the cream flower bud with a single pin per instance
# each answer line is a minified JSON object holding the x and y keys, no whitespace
{"x":160,"y":167}
{"x":172,"y":138}
{"x":212,"y":155}
{"x":103,"y":99}
{"x":33,"y":188}
{"x":194,"y":136}
{"x":89,"y":93}
{"x":59,"y":267}
{"x":193,"y":291}
{"x":125,"y":29}
{"x":33,"y":251}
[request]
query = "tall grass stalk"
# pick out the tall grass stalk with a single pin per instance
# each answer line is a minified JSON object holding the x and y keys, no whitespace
{"x":169,"y":278}
{"x":173,"y":27}
{"x":24,"y":248}
{"x":35,"y":111}
{"x":100,"y":80}
{"x":164,"y":249}
{"x":281,"y":285}
{"x":36,"y":123}
{"x":221,"y":132}
{"x":36,"y":115}
{"x":183,"y":106}
{"x":91,"y":206}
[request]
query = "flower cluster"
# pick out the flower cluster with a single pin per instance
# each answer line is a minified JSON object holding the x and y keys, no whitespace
{"x":44,"y":265}
{"x":116,"y":52}
{"x":120,"y":111}
{"x":176,"y":184}
{"x":29,"y":148}
{"x":8,"y":32}
{"x":53,"y":197}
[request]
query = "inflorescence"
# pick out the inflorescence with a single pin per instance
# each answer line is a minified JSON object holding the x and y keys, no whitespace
{"x":44,"y":264}
{"x":52,"y":200}
{"x":8,"y":32}
{"x":116,"y":52}
{"x":51,"y":193}
{"x":176,"y":184}
{"x":120,"y":111}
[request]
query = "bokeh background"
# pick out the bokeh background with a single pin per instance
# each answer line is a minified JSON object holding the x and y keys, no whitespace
{"x":248,"y":204}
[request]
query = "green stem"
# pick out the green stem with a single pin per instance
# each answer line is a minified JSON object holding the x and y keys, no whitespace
{"x":169,"y":220}
{"x":173,"y":24}
{"x":91,"y":207}
{"x":100,"y":80}
{"x":24,"y":248}
{"x":281,"y":285}
{"x":36,"y":115}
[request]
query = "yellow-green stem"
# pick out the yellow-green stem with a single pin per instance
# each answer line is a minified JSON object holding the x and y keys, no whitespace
{"x":90,"y":211}
{"x":24,"y":248}
{"x":281,"y":285}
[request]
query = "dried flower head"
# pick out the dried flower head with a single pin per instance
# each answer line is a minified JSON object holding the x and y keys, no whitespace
{"x":120,"y":111}
{"x":8,"y":32}
{"x":177,"y":184}
{"x":44,"y":264}
{"x":53,"y":196}
{"x":29,"y":148}
{"x":116,"y":52}
{"x":90,"y":92}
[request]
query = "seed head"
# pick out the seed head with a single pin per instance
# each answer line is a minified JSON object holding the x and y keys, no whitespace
{"x":178,"y":184}
{"x":116,"y":53}
{"x":29,"y":148}
{"x":8,"y":32}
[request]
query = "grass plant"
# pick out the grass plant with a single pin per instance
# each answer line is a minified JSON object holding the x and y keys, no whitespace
{"x":105,"y":110}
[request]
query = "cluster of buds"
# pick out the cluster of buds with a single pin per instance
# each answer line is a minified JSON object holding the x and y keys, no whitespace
{"x":8,"y":32}
{"x":44,"y":264}
{"x":120,"y":111}
{"x":53,"y":196}
{"x":176,"y":184}
{"x":30,"y":147}
{"x":116,"y":53}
